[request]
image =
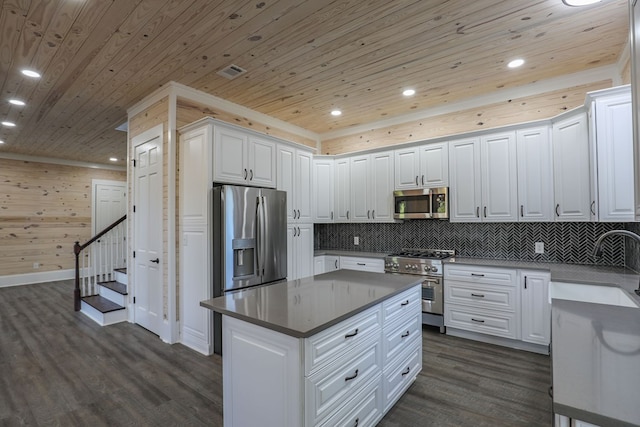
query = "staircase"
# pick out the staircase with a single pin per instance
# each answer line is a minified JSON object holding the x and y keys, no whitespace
{"x":109,"y":306}
{"x":101,"y":275}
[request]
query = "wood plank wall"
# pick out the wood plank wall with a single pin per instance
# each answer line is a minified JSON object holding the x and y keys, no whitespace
{"x":189,"y":112}
{"x":44,"y":209}
{"x":537,"y":107}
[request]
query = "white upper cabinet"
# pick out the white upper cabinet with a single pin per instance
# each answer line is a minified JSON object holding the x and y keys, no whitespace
{"x":465,"y":181}
{"x":535,"y":174}
{"x":342,"y":187}
{"x":611,"y":141}
{"x":295,"y":177}
{"x":241,"y":158}
{"x":425,"y":166}
{"x":499,"y":177}
{"x":570,"y":142}
{"x":372,"y":187}
{"x":323,"y":190}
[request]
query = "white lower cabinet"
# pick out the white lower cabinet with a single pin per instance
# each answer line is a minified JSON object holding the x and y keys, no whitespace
{"x":375,"y":265}
{"x":300,"y":260}
{"x":349,"y":374}
{"x":512,"y":305}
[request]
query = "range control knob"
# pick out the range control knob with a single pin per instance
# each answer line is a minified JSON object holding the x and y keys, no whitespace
{"x":434,"y":268}
{"x":427,"y":268}
{"x":414,"y":267}
{"x":407,"y":267}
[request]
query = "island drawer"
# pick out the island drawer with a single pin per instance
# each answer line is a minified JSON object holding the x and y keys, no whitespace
{"x":502,"y":324}
{"x":407,"y":303}
{"x":474,"y":274}
{"x":399,"y":336}
{"x":482,"y":296}
{"x":398,"y":376}
{"x":375,"y":265}
{"x":364,"y":409}
{"x":326,"y":346}
{"x":329,"y":388}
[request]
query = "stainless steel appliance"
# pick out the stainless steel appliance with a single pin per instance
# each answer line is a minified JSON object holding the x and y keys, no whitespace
{"x":427,"y":263}
{"x":423,"y":203}
{"x":249,"y":241}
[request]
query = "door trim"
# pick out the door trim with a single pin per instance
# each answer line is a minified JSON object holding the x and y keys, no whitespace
{"x":94,"y":186}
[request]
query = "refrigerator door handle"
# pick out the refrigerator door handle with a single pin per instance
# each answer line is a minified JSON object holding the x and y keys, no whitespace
{"x":262,"y":243}
{"x":258,"y":237}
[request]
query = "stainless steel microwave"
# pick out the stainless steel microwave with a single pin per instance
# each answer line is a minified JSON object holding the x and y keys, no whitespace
{"x":424,"y":203}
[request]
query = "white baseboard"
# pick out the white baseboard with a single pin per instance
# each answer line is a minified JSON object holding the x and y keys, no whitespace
{"x":39,"y":277}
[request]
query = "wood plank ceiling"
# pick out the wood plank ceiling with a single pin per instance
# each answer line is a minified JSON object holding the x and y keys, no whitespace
{"x":304,"y":57}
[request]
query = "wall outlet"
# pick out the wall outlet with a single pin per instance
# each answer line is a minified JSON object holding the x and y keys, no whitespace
{"x":539,"y":247}
{"x":36,"y":265}
{"x":356,"y":240}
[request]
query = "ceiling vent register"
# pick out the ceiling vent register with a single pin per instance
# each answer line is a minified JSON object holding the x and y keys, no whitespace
{"x":232,"y":71}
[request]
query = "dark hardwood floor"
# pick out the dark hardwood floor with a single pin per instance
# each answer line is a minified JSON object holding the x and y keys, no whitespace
{"x":57,"y":367}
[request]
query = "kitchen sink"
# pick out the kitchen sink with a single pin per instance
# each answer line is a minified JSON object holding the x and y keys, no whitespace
{"x":609,"y":295}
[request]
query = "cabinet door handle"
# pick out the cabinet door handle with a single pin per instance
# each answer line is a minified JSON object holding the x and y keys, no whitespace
{"x":525,"y":282}
{"x":368,"y":214}
{"x":245,"y":173}
{"x":250,"y":174}
{"x":156,"y":261}
{"x":294,"y":232}
{"x":406,"y":334}
{"x":422,"y":179}
{"x":352,"y":377}
{"x":477,"y":295}
{"x":522,"y":210}
{"x":417,"y":181}
{"x":373,"y":214}
{"x":485,"y":211}
{"x":477,"y":320}
{"x":402,"y":304}
{"x":406,"y":372}
{"x":477,"y":274}
{"x":336,"y":264}
{"x":356,"y":422}
{"x":331,"y":215}
{"x":557,"y":207}
{"x":593,"y":207}
{"x":299,"y":214}
{"x":353,"y":334}
{"x":347,"y":214}
{"x":477,"y":211}
{"x":298,"y":231}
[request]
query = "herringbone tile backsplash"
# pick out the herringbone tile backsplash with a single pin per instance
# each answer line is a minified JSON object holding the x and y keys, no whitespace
{"x":570,"y":243}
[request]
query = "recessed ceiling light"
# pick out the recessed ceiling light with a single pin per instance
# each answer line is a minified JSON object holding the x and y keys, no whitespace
{"x":113,"y":159}
{"x":8,"y":124}
{"x":17,"y":102}
{"x":580,"y":2}
{"x":515,"y":63}
{"x":336,"y":113}
{"x":1,"y":141}
{"x":409,"y":92}
{"x":31,"y":73}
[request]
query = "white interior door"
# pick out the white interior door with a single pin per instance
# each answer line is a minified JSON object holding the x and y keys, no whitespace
{"x":148,"y":234}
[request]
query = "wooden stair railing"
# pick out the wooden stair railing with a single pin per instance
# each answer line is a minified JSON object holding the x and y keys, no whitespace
{"x":77,"y":250}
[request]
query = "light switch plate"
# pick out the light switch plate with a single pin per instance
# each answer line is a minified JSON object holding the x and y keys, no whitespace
{"x":539,"y":247}
{"x":356,"y":240}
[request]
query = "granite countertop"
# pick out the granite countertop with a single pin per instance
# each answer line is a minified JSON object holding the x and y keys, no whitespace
{"x":301,"y":308}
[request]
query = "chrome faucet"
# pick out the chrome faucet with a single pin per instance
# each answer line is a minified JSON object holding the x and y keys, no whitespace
{"x":597,"y":249}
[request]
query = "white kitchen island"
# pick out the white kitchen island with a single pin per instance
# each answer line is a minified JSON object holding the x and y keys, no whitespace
{"x":335,"y":349}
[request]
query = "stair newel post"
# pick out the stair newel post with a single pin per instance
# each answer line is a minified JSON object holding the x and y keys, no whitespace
{"x":76,"y":291}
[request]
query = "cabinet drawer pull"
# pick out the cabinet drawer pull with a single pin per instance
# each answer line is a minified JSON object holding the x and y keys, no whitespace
{"x":477,"y":274}
{"x":406,"y":334}
{"x":361,"y":263}
{"x":357,"y":422}
{"x":404,"y":303}
{"x":406,"y":372}
{"x":477,"y":295}
{"x":353,"y":334}
{"x":477,"y":320}
{"x":352,"y":377}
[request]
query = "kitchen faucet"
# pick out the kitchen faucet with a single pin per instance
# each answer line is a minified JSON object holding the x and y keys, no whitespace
{"x":597,"y":249}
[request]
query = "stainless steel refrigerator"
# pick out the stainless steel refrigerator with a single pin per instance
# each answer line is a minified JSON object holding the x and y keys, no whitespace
{"x":249,"y":241}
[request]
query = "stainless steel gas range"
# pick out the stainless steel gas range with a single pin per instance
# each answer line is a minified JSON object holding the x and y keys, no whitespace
{"x":427,"y":263}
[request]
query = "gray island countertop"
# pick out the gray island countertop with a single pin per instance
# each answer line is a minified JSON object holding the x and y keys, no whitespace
{"x":301,"y":308}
